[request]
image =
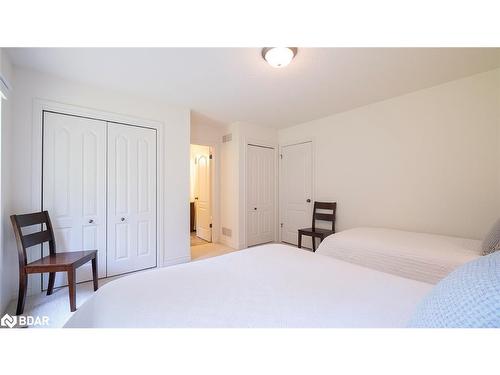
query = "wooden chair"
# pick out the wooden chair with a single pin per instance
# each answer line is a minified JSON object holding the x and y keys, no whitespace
{"x":319,"y":232}
{"x":62,"y":262}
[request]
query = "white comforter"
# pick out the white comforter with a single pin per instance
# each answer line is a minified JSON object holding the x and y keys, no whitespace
{"x":266,"y":286}
{"x":419,"y":256}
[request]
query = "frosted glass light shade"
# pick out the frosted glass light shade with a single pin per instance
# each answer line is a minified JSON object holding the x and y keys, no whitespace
{"x":279,"y":57}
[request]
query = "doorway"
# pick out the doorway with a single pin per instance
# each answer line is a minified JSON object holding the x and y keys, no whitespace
{"x":205,"y":202}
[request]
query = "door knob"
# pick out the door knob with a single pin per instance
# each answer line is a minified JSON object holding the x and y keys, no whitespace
{"x":308,"y":201}
{"x":122,"y":219}
{"x":195,"y":198}
{"x":91,"y":221}
{"x":255,"y":208}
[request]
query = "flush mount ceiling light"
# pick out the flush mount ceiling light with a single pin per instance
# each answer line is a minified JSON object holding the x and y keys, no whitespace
{"x":279,"y":56}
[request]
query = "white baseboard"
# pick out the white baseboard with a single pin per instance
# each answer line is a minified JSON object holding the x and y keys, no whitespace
{"x":179,"y":260}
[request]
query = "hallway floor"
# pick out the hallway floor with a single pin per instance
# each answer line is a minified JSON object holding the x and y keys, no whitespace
{"x":195,"y":240}
{"x":209,"y":250}
{"x":201,"y":249}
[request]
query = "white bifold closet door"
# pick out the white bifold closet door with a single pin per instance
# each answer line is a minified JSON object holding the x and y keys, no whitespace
{"x":260,"y":195}
{"x":74,"y":187}
{"x":131,"y":240}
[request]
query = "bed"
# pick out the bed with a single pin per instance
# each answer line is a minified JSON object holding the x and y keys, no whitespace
{"x":272,"y":285}
{"x":419,"y":256}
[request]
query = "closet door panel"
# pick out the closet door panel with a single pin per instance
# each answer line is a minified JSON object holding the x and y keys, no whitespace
{"x":74,"y":187}
{"x":260,"y":195}
{"x":131,"y":198}
{"x":252,"y":177}
{"x":145,"y":230}
{"x":266,"y":196}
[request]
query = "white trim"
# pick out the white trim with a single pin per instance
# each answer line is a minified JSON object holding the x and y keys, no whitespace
{"x":40,"y":105}
{"x":178,"y":260}
{"x":280,"y":177}
{"x":273,"y":145}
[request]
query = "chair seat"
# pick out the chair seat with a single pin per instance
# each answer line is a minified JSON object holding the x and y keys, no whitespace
{"x":316,"y":232}
{"x":68,"y":259}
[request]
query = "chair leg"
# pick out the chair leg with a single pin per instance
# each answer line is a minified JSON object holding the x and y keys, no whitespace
{"x":94,"y":273}
{"x":72,"y":289}
{"x":299,"y":242}
{"x":52,"y":279}
{"x":314,"y":243}
{"x":23,"y":286}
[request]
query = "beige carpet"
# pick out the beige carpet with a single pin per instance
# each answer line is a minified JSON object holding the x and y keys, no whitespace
{"x":208,"y":250}
{"x":195,"y":240}
{"x":56,"y":306}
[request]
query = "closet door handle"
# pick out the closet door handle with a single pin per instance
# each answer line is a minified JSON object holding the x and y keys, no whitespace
{"x":122,"y":219}
{"x":91,"y":221}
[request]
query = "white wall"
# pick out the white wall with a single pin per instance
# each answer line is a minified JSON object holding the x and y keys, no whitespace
{"x":229,"y":187}
{"x":30,"y":85}
{"x":233,"y":185}
{"x":427,"y":161}
{"x":205,"y":131}
{"x":8,"y":256}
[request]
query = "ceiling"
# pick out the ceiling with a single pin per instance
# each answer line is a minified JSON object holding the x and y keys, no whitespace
{"x":236,"y":84}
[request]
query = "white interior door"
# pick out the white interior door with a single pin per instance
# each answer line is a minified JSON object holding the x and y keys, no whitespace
{"x":260,"y":195}
{"x":296,"y":191}
{"x":202,"y":197}
{"x":74,"y":187}
{"x":131,"y":198}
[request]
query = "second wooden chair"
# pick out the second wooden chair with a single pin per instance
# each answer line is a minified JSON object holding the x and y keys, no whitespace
{"x":320,"y":233}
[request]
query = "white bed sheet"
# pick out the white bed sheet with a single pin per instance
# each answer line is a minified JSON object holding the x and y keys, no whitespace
{"x":266,"y":286}
{"x":418,"y":256}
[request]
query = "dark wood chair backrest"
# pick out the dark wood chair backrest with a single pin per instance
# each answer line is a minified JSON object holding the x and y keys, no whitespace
{"x":330,"y":217}
{"x":25,"y":241}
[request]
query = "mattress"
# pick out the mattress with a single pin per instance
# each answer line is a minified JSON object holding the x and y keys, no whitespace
{"x":418,"y":256}
{"x":266,"y":286}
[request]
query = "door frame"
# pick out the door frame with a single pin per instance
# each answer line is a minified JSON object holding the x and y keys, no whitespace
{"x":243,"y":209}
{"x":42,"y":105}
{"x":313,"y":175}
{"x":214,"y":186}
